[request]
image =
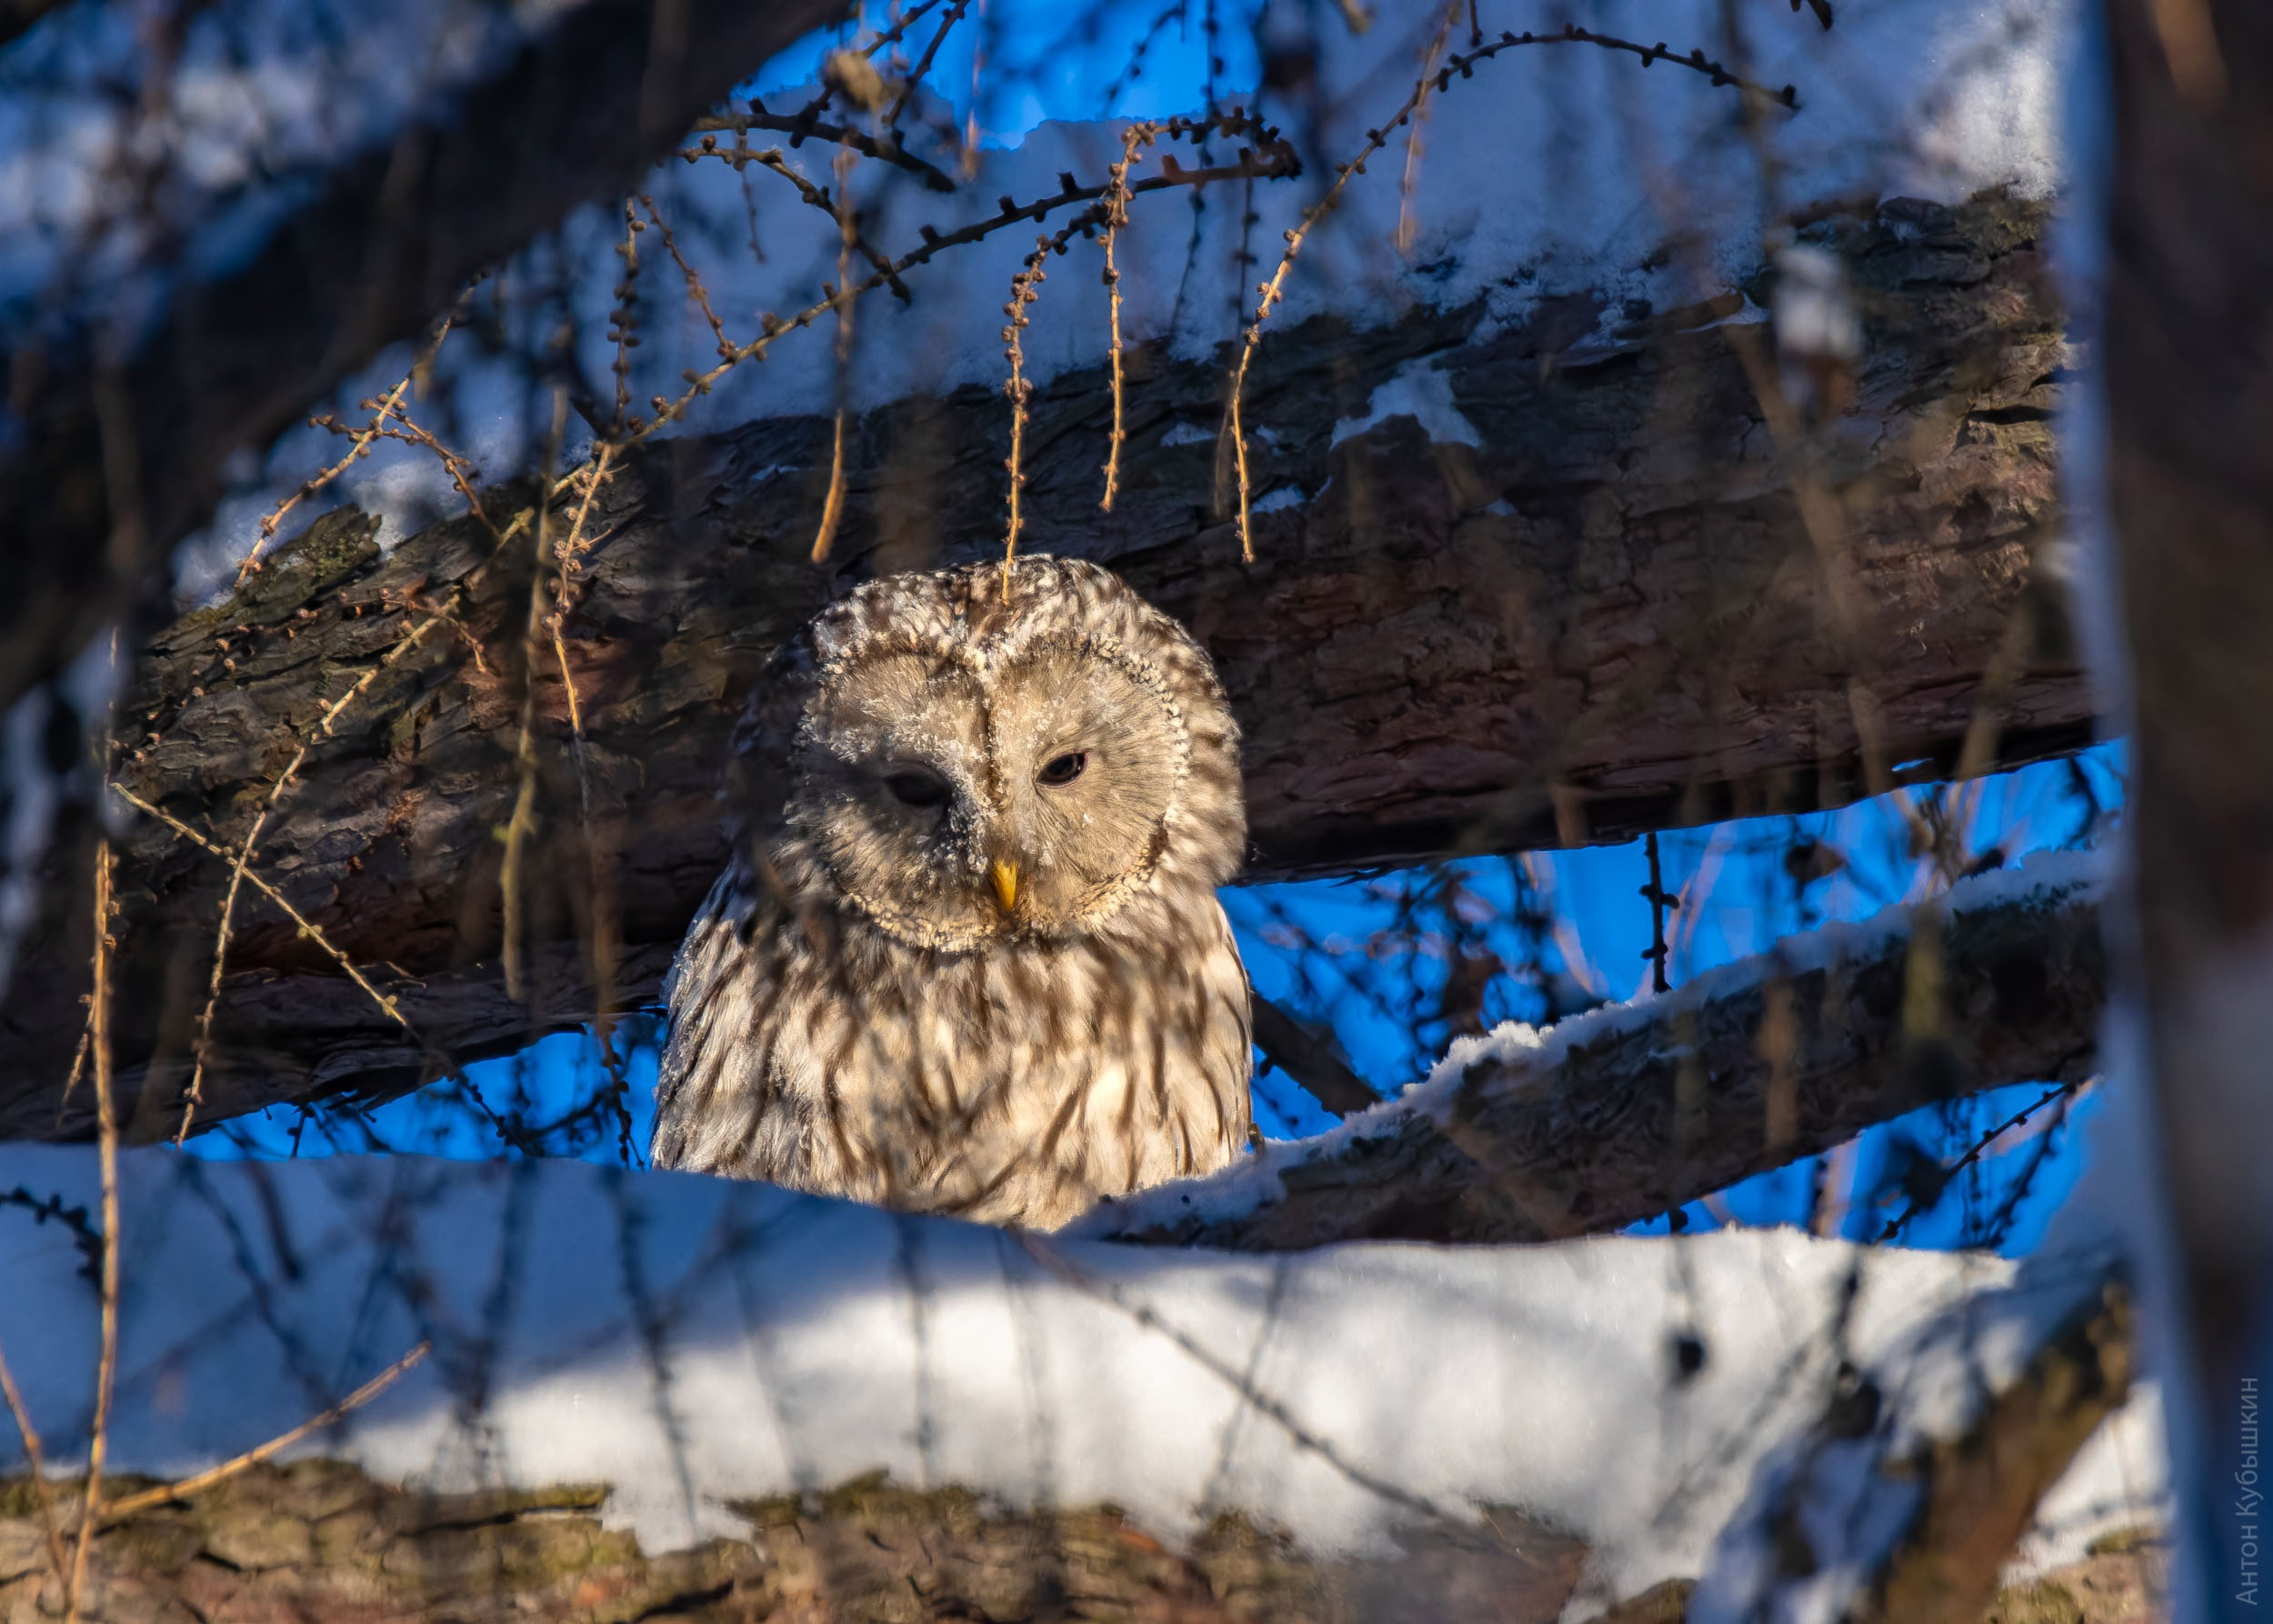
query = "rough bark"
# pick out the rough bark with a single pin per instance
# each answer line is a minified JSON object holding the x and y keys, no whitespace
{"x":1981,"y":1491}
{"x":1713,"y":1089}
{"x":379,"y":246}
{"x":2191,"y":408}
{"x":322,"y":1540}
{"x":1607,"y":616}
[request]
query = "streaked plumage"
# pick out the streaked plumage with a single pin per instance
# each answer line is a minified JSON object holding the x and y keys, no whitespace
{"x":973,"y":960}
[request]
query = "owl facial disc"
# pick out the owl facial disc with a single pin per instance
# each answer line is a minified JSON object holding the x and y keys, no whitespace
{"x":964,"y":791}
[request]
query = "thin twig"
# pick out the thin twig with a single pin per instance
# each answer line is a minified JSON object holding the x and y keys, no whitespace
{"x":799,"y":128}
{"x":1273,"y":291}
{"x":462,"y":472}
{"x":314,"y":932}
{"x":818,"y":197}
{"x":2058,"y":1091}
{"x":147,"y":1498}
{"x":694,"y":288}
{"x":243,"y":861}
{"x":78,"y":1070}
{"x":361,"y":441}
{"x":1116,"y":217}
{"x":37,"y":1461}
{"x":898,"y":31}
{"x":847,"y":228}
{"x":922,"y":63}
{"x":1022,"y":294}
{"x":624,"y":316}
{"x":1271,"y":158}
{"x":106,"y":1133}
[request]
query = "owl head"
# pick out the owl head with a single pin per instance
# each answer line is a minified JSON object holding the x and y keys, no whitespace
{"x":975,"y":759}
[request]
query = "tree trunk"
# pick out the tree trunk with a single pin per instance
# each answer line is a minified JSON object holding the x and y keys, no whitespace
{"x":324,"y":1539}
{"x":1606,"y":617}
{"x":2190,"y":403}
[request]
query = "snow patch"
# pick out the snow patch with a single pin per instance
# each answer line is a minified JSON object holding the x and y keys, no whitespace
{"x":690,"y":1340}
{"x":1421,"y":391}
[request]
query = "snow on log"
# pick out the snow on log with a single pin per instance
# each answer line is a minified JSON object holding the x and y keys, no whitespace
{"x":783,"y":1388}
{"x":1629,"y":1110}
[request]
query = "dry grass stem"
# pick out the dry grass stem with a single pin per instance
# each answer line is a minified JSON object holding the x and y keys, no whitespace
{"x":106,"y":1133}
{"x":149,"y":1499}
{"x":569,"y":554}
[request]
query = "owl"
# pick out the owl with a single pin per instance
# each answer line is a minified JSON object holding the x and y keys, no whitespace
{"x":967,"y":955}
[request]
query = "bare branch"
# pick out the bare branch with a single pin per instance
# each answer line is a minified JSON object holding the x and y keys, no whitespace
{"x":1636,"y":1111}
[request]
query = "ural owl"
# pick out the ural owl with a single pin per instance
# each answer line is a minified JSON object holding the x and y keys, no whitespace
{"x":968,"y":958}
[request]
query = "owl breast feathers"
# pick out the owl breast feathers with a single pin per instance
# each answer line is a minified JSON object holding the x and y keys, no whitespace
{"x":967,"y":957}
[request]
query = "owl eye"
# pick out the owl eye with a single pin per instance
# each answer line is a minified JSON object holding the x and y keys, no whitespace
{"x":1064,"y":769}
{"x":916,"y":790}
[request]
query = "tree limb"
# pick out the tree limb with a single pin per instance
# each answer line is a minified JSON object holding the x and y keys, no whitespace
{"x":380,"y":245}
{"x":1638,"y":1109}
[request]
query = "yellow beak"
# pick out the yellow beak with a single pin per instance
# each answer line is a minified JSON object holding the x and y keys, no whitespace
{"x":1005,"y":878}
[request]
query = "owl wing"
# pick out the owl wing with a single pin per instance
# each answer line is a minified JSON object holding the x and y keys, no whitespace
{"x":718,"y":1108}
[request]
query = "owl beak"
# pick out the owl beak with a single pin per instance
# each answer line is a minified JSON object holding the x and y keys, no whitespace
{"x":1005,"y":878}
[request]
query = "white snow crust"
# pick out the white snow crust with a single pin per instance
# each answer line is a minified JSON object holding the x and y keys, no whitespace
{"x":690,"y":1340}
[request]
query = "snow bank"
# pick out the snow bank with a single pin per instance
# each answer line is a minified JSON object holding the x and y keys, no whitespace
{"x":688,"y":1340}
{"x":1556,"y":169}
